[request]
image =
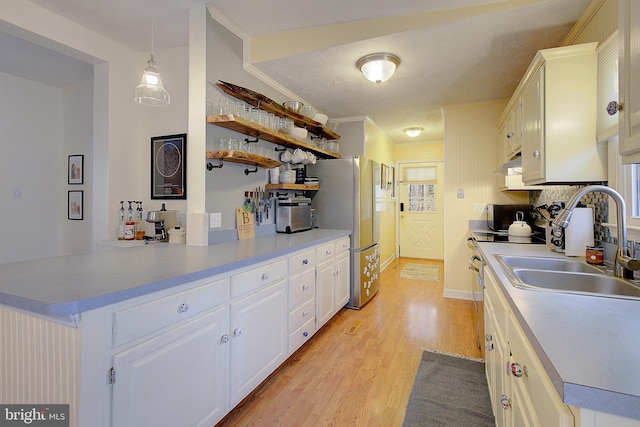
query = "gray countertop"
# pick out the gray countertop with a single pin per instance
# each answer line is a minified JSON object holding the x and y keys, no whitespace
{"x":589,"y":346}
{"x":68,"y":285}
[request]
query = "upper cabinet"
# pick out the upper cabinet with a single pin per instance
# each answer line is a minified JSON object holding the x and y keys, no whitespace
{"x":557,"y":98}
{"x":607,"y":119}
{"x":629,"y":70}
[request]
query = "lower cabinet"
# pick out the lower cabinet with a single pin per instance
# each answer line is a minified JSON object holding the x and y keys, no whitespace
{"x":258,"y":338}
{"x":333,"y":275}
{"x":521,"y":392}
{"x":177,"y":378}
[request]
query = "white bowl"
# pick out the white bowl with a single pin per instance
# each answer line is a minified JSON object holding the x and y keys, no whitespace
{"x":298,"y":133}
{"x":321,"y":118}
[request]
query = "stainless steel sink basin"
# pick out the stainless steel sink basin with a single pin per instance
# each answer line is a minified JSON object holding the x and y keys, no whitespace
{"x":579,"y":283}
{"x":553,"y":264}
{"x":565,"y":276}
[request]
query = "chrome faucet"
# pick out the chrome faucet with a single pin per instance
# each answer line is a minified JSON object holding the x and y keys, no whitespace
{"x":624,"y":265}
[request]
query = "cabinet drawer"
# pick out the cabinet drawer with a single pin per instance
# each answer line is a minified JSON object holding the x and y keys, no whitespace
{"x":498,"y":302}
{"x":301,"y":335}
{"x":301,"y":261}
{"x":343,"y":244}
{"x":301,"y":314}
{"x":135,"y":322}
{"x":258,"y":277}
{"x":325,"y":251}
{"x":302,"y":287}
{"x":545,"y":401}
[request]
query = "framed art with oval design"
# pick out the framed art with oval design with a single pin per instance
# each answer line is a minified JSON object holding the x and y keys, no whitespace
{"x":169,"y":167}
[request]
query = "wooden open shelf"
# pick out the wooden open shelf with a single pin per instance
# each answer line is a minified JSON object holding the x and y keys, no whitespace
{"x":243,"y":157}
{"x":238,"y":124}
{"x":304,"y":187}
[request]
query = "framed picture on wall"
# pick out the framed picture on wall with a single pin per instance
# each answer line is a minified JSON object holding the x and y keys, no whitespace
{"x":169,"y":167}
{"x":75,"y":169}
{"x":75,"y":203}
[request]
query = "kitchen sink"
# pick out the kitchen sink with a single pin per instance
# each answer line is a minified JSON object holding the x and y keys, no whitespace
{"x":566,"y":276}
{"x":579,"y":283}
{"x":553,"y":264}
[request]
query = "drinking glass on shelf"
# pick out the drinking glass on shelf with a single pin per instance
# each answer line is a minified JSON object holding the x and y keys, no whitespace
{"x":223,"y":106}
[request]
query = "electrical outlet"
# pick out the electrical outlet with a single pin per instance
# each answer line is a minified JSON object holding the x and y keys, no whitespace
{"x":479,"y":207}
{"x":460,"y":193}
{"x":215,"y":220}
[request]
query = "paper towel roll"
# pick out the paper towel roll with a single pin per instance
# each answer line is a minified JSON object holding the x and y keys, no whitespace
{"x":579,"y":233}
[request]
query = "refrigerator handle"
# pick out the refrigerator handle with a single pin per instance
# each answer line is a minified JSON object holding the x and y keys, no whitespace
{"x":401,"y":207}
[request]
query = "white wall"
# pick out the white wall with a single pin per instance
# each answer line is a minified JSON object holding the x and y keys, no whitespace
{"x":31,"y":163}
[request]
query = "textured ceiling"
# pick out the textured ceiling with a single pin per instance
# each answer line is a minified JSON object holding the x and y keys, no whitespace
{"x":452,"y":51}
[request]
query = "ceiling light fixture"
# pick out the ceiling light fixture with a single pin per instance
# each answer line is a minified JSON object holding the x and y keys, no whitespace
{"x":150,"y":90}
{"x":378,"y":67}
{"x":413,"y":131}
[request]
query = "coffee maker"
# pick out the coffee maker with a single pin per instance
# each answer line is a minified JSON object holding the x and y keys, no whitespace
{"x":162,"y":220}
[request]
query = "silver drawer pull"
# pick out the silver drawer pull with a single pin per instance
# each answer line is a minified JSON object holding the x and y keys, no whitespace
{"x":237,"y":332}
{"x":265,"y":276}
{"x":224,"y":339}
{"x":305,"y":287}
{"x":328,"y":253}
{"x":305,"y":261}
{"x":305,"y":313}
{"x":305,"y":334}
{"x":183,"y":308}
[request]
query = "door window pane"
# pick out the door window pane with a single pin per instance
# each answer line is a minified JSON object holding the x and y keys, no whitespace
{"x":422,"y":198}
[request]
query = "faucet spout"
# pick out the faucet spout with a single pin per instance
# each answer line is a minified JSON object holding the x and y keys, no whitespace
{"x":624,"y":265}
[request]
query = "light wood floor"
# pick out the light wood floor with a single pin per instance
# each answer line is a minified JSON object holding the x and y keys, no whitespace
{"x":338,"y":379}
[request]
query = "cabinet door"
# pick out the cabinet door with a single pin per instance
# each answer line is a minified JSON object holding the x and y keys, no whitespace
{"x":342,"y":280}
{"x":532,"y":116}
{"x":607,"y":124}
{"x":258,"y":332}
{"x":629,"y":69}
{"x":178,"y":378}
{"x":324,"y":292}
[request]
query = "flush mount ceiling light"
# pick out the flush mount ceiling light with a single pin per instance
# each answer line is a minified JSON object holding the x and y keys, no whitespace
{"x":150,"y":90}
{"x":413,"y":131}
{"x":378,"y":67}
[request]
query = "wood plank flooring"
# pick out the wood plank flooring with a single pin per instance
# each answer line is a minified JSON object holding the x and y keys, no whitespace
{"x":364,"y":379}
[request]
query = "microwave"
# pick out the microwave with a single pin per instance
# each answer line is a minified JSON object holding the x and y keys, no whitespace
{"x":500,"y":217}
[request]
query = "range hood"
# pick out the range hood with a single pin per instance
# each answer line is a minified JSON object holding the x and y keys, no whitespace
{"x":512,"y":167}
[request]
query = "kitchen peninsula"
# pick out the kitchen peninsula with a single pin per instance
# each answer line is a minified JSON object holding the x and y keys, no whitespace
{"x":121,"y":334}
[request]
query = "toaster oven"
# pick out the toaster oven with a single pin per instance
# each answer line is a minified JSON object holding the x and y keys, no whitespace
{"x":293,"y":214}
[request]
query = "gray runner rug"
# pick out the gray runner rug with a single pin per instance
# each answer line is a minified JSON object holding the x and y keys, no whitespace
{"x":449,"y":391}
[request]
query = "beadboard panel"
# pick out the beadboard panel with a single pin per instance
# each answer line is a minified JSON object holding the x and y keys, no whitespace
{"x":596,"y":24}
{"x":38,"y":361}
{"x":471,"y":156}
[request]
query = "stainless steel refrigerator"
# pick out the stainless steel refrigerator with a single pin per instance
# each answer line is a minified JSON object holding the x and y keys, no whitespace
{"x":347,"y":200}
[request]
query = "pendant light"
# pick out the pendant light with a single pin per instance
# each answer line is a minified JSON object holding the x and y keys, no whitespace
{"x":378,"y":67}
{"x":412,"y":132}
{"x":150,"y":90}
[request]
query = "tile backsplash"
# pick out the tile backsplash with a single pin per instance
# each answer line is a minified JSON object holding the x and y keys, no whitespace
{"x":563,"y":193}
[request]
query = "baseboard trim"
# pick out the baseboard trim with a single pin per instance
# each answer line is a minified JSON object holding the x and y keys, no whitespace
{"x":465,"y":295}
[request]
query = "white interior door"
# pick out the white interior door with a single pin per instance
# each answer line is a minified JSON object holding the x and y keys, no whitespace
{"x":421,"y":197}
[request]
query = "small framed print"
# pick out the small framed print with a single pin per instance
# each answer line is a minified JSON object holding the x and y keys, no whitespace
{"x":169,"y":167}
{"x":76,"y":169}
{"x":75,"y":204}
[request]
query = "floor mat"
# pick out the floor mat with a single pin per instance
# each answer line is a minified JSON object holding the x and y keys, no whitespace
{"x":421,"y":272}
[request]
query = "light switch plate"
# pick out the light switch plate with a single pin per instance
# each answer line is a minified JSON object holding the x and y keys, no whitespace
{"x":215,"y":220}
{"x":460,"y":193}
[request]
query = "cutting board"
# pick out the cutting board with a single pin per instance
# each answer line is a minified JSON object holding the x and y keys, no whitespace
{"x":245,"y":224}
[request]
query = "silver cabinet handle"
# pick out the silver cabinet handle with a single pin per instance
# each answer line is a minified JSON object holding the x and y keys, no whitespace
{"x":328,"y":252}
{"x":613,"y":107}
{"x":264,"y":276}
{"x":224,"y":339}
{"x":536,"y":154}
{"x":183,"y":308}
{"x":305,"y":313}
{"x":237,"y":332}
{"x":305,"y":334}
{"x":305,"y":287}
{"x":305,"y":261}
{"x":510,"y":135}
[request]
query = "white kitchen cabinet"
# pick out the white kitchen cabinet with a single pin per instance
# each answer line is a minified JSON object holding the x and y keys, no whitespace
{"x":177,"y":378}
{"x":558,"y":117}
{"x":302,"y":299}
{"x":607,"y":124}
{"x":629,"y":69}
{"x":521,"y":392}
{"x":257,"y":328}
{"x":333,"y":279}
